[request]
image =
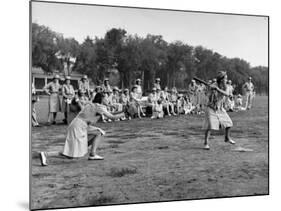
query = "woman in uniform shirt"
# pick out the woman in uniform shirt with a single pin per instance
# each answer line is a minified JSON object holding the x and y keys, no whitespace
{"x":52,"y":89}
{"x":81,"y":132}
{"x":68,"y":94}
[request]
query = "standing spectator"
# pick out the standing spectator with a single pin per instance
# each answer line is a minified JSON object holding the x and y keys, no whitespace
{"x":192,"y":90}
{"x":157,"y":84}
{"x":52,"y":89}
{"x":229,"y":100}
{"x":84,"y":86}
{"x":68,"y":94}
{"x":139,"y":89}
{"x":33,"y":101}
{"x":106,"y":87}
{"x":249,"y":92}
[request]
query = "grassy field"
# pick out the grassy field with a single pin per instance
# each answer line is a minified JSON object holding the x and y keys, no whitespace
{"x":155,"y":160}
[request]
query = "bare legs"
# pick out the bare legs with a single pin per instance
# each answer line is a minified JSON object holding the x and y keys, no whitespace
{"x":94,"y":142}
{"x":208,"y":134}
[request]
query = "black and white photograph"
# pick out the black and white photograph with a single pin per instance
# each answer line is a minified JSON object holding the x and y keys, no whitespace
{"x":139,"y":105}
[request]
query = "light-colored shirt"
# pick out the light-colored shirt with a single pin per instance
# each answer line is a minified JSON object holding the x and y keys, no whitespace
{"x":68,"y":91}
{"x":84,"y":87}
{"x":139,"y":91}
{"x":52,"y":87}
{"x":248,"y":86}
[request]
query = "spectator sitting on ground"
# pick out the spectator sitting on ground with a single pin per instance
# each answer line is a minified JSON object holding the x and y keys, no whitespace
{"x":158,"y":112}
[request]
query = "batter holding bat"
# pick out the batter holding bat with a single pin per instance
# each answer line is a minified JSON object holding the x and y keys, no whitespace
{"x":216,"y":117}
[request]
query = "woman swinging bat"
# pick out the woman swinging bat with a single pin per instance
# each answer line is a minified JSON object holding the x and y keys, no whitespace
{"x":216,"y":116}
{"x":81,"y":133}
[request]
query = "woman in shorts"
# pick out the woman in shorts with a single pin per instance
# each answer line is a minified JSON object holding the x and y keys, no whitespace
{"x":216,"y":116}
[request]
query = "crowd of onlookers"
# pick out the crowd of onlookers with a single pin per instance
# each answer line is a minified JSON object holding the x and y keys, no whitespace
{"x":160,"y":102}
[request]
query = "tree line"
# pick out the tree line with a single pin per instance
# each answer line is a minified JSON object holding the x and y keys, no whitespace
{"x":134,"y":57}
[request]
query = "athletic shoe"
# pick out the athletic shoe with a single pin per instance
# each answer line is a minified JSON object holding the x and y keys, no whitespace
{"x":96,"y":157}
{"x":230,"y":141}
{"x":43,"y":159}
{"x":206,"y":147}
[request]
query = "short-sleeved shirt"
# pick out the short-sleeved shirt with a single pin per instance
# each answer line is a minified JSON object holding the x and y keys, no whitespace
{"x":152,"y":98}
{"x":84,"y":86}
{"x":230,"y":89}
{"x":173,"y":97}
{"x":90,"y":112}
{"x":52,"y":87}
{"x":115,"y":98}
{"x":157,"y":86}
{"x":192,"y":89}
{"x":249,"y":86}
{"x":133,"y":96}
{"x":106,"y":88}
{"x":125,"y":99}
{"x":139,"y":91}
{"x":68,"y":91}
{"x":216,"y":99}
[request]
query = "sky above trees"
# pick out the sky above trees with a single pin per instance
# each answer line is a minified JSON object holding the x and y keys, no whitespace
{"x":244,"y":37}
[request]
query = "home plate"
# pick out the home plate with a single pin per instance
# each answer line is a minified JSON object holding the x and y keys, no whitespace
{"x":242,"y":149}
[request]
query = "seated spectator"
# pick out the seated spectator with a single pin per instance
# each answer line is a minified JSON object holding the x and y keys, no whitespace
{"x":152,"y":99}
{"x":135,"y":103}
{"x":125,"y":101}
{"x":166,"y":103}
{"x":117,"y":106}
{"x":174,"y":100}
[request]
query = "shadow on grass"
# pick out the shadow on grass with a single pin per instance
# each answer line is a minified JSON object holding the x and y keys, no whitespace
{"x":120,"y":172}
{"x":102,"y":199}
